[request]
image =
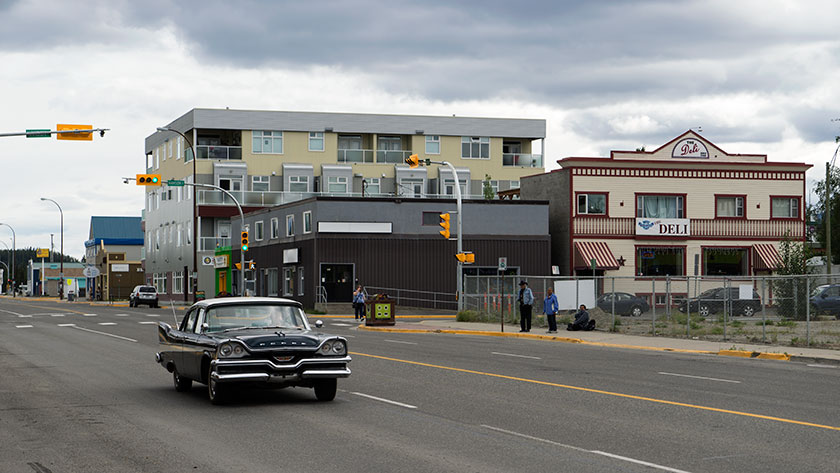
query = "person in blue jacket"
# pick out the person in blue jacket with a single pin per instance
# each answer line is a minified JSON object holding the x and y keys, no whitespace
{"x":359,"y":302}
{"x":550,"y":308}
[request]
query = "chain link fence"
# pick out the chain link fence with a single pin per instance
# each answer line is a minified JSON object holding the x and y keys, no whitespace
{"x":797,"y":310}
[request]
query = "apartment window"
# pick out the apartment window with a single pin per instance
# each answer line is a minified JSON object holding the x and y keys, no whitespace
{"x":271,"y":282}
{"x":300,"y":280}
{"x":171,"y":233}
{"x":784,"y":207}
{"x":290,"y":225}
{"x":170,"y":148}
{"x":157,"y":239}
{"x":179,"y":242}
{"x":592,"y":204}
{"x":178,"y":282}
{"x":316,"y":141}
{"x":299,"y":183}
{"x":432,"y":144}
{"x":660,"y":261}
{"x":189,"y":191}
{"x":180,"y":147}
{"x":157,"y":158}
{"x":288,"y":281}
{"x":449,"y":187}
{"x":729,"y":206}
{"x":258,"y":230}
{"x":514,"y":184}
{"x":307,"y":221}
{"x":725,"y":262}
{"x":189,"y":233}
{"x":660,"y":206}
{"x":475,"y":147}
{"x":275,"y":228}
{"x":267,"y":142}
{"x":372,"y":186}
{"x":260,"y":183}
{"x":337,"y":184}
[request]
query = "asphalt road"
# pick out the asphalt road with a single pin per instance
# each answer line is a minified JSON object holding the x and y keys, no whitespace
{"x":80,"y":392}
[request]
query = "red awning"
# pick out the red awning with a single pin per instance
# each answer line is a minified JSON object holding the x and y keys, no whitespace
{"x":586,"y":251}
{"x":766,"y":257}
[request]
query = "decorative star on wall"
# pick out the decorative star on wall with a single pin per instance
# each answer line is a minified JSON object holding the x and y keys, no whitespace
{"x":621,"y":260}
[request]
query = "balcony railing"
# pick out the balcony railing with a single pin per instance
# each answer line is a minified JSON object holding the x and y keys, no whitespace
{"x":211,"y":243}
{"x":218,"y":152}
{"x":391,"y":157}
{"x":700,"y":228}
{"x":523,"y":160}
{"x":367,"y":156}
{"x":269,"y":199}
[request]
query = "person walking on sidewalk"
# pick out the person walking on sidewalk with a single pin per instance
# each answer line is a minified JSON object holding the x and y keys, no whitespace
{"x":359,"y":302}
{"x":550,"y":308}
{"x":526,"y":303}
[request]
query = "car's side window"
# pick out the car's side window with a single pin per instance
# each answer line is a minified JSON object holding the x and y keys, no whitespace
{"x":199,"y":321}
{"x":189,"y":321}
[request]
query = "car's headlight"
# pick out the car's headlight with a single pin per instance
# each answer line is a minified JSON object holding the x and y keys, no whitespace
{"x":231,"y":350}
{"x":333,"y":347}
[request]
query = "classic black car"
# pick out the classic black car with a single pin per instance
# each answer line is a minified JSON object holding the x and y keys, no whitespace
{"x":252,"y":341}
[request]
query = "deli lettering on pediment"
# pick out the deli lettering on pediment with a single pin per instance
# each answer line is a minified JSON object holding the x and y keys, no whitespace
{"x":690,"y":148}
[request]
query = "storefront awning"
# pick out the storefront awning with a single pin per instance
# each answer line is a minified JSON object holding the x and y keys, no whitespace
{"x":586,"y":251}
{"x":766,"y":257}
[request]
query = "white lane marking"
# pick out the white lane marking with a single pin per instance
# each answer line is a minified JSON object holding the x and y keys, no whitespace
{"x":146,"y":322}
{"x":104,"y":333}
{"x":399,"y":341}
{"x":120,"y":315}
{"x":89,"y":315}
{"x":23,"y":326}
{"x":596,"y":452}
{"x":27,"y":316}
{"x":409,"y":406}
{"x":341,"y":325}
{"x":152,"y":315}
{"x":700,"y":377}
{"x":66,"y":325}
{"x":513,"y":354}
{"x":10,"y":312}
{"x":823,"y":366}
{"x":107,"y":323}
{"x":56,"y":315}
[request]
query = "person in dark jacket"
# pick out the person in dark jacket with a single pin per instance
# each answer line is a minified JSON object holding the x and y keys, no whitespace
{"x":526,"y":303}
{"x":582,"y":321}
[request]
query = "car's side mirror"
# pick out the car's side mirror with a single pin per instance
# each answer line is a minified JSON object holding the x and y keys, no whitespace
{"x":823,"y":295}
{"x":204,"y":327}
{"x":319,"y":324}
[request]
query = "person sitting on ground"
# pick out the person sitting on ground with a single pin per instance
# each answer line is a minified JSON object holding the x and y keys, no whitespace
{"x":582,"y":321}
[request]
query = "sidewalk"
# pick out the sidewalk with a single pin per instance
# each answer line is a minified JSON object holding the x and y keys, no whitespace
{"x":616,"y":340}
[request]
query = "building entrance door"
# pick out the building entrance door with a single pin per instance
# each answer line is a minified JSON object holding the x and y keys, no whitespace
{"x":337,"y":280}
{"x":222,"y":282}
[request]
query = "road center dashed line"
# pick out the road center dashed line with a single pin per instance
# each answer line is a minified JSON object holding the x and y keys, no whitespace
{"x":146,"y":322}
{"x":90,"y":315}
{"x":699,"y":377}
{"x":517,"y":356}
{"x":579,"y":449}
{"x":388,"y":401}
{"x":120,"y":315}
{"x":152,"y":315}
{"x":813,"y":365}
{"x":23,"y":326}
{"x":400,"y":341}
{"x":56,"y":315}
{"x":107,"y":323}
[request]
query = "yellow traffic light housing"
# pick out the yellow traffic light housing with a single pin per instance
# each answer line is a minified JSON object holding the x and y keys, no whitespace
{"x":466,"y":258}
{"x":245,"y":240}
{"x":444,"y":222}
{"x":148,"y":180}
{"x":413,"y":161}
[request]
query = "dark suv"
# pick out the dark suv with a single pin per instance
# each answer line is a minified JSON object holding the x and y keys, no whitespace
{"x":826,"y":299}
{"x":143,"y":295}
{"x":713,"y":300}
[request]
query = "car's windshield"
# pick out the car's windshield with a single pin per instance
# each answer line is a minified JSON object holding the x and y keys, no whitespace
{"x":817,"y":290}
{"x":228,"y":317}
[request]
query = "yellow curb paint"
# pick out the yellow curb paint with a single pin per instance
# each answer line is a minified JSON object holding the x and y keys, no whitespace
{"x":774,"y":356}
{"x":736,"y":353}
{"x":599,"y":391}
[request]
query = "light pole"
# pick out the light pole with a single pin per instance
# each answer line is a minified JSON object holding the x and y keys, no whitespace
{"x":3,"y":282}
{"x":61,"y":258}
{"x":828,"y":167}
{"x":13,"y":258}
{"x":195,"y":239}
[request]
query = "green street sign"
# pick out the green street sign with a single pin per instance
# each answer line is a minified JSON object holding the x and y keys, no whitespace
{"x":175,"y":183}
{"x":38,"y":133}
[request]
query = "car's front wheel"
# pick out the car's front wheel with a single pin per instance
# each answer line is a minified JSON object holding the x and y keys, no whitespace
{"x":325,"y":389}
{"x":215,"y":392}
{"x":704,"y":310}
{"x":636,"y":311}
{"x":748,"y":310}
{"x":181,"y":384}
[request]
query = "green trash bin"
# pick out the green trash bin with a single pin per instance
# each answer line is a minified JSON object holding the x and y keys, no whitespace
{"x":380,"y":311}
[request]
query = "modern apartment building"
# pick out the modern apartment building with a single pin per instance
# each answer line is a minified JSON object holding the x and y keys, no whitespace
{"x":268,"y":158}
{"x":687,"y":208}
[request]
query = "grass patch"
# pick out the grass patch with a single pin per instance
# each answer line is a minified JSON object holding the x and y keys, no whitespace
{"x":786,"y":323}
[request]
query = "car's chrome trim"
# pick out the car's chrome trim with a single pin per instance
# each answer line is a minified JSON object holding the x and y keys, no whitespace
{"x":276,"y":366}
{"x":326,"y":373}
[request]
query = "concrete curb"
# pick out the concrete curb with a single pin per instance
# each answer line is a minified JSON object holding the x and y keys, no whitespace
{"x":734,"y":353}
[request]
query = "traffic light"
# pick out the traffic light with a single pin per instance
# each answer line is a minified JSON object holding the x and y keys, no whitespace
{"x":245,"y":240}
{"x":148,"y":179}
{"x":413,"y":161}
{"x":444,"y":222}
{"x":467,"y":258}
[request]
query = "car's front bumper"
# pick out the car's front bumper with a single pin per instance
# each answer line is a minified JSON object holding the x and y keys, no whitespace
{"x":267,"y":371}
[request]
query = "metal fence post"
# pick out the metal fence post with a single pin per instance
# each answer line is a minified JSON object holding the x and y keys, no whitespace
{"x":807,"y":312}
{"x":725,"y":304}
{"x":763,"y":314}
{"x":613,"y":304}
{"x":688,"y":307}
{"x":653,"y":304}
{"x":668,"y":297}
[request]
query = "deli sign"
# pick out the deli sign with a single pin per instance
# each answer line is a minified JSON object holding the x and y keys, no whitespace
{"x":670,"y":227}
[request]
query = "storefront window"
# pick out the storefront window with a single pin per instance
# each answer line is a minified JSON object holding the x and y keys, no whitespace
{"x":725,"y":262}
{"x":660,"y":261}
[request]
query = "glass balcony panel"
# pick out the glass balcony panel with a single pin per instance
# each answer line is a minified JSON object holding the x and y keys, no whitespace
{"x":218,"y":152}
{"x":523,"y":160}
{"x":391,"y":157}
{"x":211,"y":243}
{"x":355,"y":156}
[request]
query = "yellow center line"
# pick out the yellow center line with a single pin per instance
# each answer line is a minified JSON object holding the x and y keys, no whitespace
{"x":608,"y":393}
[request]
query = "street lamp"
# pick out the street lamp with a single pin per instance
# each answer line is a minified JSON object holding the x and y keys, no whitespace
{"x":13,"y":257}
{"x":828,"y":167}
{"x":194,"y":212}
{"x":3,"y":282}
{"x":61,"y":258}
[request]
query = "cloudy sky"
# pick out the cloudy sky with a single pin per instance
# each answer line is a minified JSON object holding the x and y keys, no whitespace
{"x":757,"y":76}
